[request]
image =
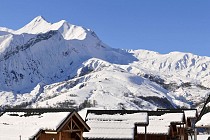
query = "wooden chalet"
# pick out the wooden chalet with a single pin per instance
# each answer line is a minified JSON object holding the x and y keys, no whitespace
{"x":42,"y":124}
{"x":135,"y":125}
{"x":163,"y":125}
{"x":191,"y":115}
{"x":203,"y":122}
{"x":115,"y":124}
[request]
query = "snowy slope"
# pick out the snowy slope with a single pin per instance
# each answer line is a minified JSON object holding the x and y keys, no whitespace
{"x":176,"y":67}
{"x":98,"y":84}
{"x":185,"y":75}
{"x":63,"y":65}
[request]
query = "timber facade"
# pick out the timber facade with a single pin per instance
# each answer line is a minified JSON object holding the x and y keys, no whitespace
{"x":71,"y":129}
{"x":157,"y":130}
{"x":70,"y":126}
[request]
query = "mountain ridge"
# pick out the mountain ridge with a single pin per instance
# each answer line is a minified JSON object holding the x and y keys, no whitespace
{"x":63,"y":65}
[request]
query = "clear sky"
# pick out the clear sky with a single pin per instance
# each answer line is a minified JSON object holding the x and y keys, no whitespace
{"x":158,"y":25}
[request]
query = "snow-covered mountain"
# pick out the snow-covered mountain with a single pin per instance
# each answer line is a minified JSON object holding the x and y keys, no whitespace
{"x":63,"y":65}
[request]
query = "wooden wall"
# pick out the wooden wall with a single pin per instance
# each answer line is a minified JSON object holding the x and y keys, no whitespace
{"x":44,"y":136}
{"x":63,"y":136}
{"x":151,"y":137}
{"x":182,"y":131}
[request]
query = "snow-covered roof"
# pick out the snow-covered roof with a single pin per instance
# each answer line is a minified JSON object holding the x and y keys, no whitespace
{"x":161,"y":124}
{"x":173,"y":117}
{"x":16,"y":124}
{"x":114,"y":126}
{"x":204,"y":121}
{"x":190,"y":113}
{"x":156,"y":126}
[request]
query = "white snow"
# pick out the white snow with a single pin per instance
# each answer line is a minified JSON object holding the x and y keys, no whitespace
{"x":6,"y":30}
{"x":175,"y":67}
{"x":208,"y":105}
{"x":204,"y":121}
{"x":37,"y":25}
{"x":15,"y":124}
{"x":190,"y":113}
{"x":203,"y":137}
{"x":40,"y":25}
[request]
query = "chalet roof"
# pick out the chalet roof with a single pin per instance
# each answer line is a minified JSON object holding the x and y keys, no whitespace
{"x":161,"y":124}
{"x":189,"y":113}
{"x":150,"y":113}
{"x":28,"y":122}
{"x":117,"y":124}
{"x":113,"y":112}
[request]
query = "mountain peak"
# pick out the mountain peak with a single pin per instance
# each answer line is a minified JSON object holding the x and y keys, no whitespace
{"x":63,"y":21}
{"x":38,"y":19}
{"x":68,"y":31}
{"x":37,"y":25}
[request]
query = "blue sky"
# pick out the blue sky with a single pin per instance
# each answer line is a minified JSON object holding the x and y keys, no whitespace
{"x":158,"y":25}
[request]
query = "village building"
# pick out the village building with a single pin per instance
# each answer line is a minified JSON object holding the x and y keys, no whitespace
{"x":42,"y":124}
{"x":163,"y":126}
{"x":135,"y":125}
{"x":191,"y":116}
{"x":115,"y":124}
{"x":203,"y":123}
